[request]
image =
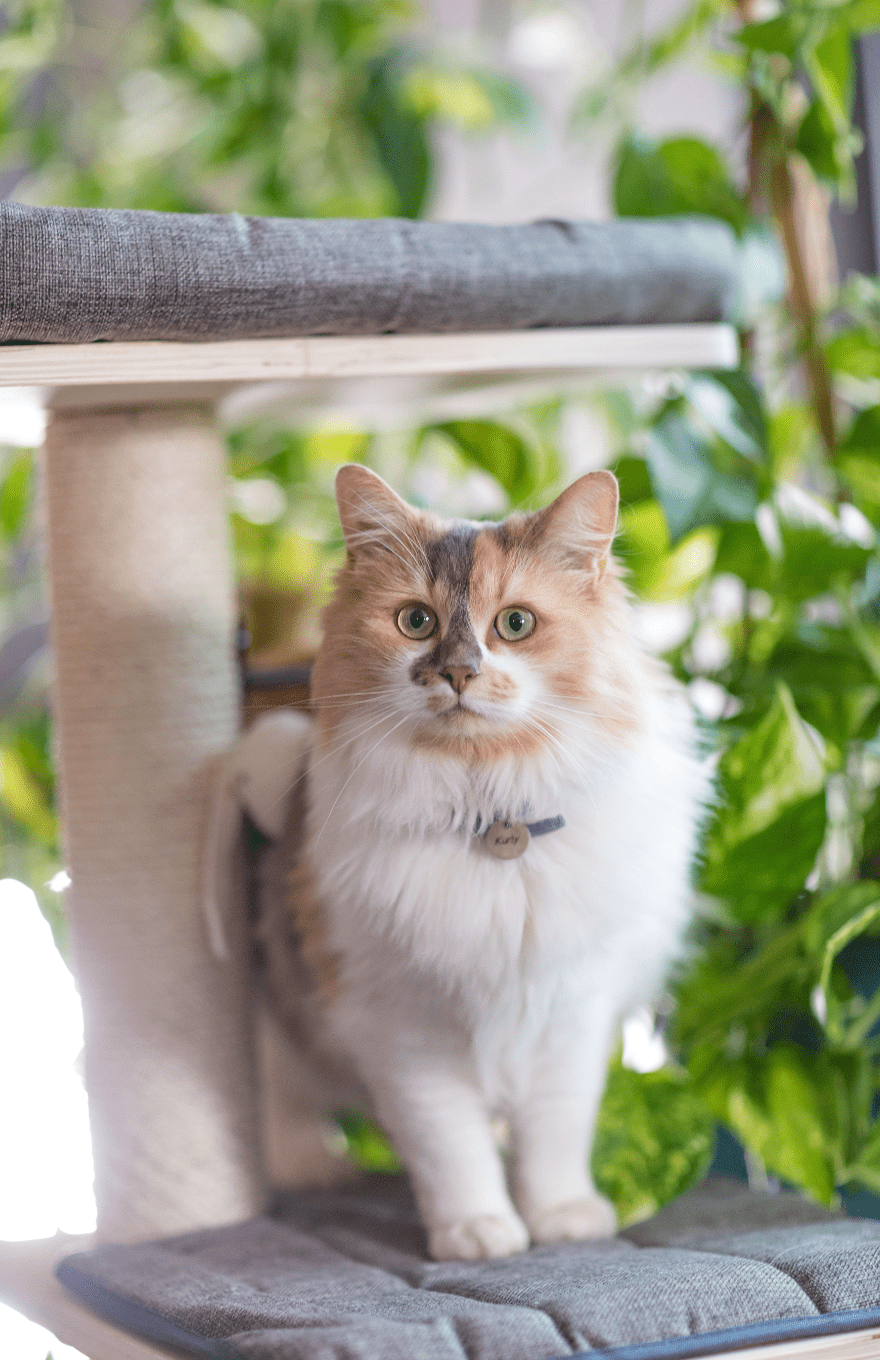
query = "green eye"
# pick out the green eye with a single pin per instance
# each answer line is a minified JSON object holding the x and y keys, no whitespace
{"x":416,"y":621}
{"x":515,"y":624}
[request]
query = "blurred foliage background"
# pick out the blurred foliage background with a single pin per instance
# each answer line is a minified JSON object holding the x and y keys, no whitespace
{"x":751,"y":499}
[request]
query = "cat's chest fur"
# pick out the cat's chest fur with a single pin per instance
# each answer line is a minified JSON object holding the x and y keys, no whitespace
{"x":403,"y":873}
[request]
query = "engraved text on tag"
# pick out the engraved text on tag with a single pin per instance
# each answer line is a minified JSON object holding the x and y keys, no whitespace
{"x":507,"y":840}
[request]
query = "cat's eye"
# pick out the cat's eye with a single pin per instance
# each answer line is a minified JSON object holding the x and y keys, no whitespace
{"x":515,"y":624}
{"x":416,"y":621}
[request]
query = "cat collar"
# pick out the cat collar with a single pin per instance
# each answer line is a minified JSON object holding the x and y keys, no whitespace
{"x":509,"y":840}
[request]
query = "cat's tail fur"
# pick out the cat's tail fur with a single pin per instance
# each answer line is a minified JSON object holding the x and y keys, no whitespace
{"x":253,"y":779}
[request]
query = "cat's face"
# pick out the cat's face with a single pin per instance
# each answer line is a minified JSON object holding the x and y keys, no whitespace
{"x":478,"y":639}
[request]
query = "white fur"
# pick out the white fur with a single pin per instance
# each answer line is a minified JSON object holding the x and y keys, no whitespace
{"x":473,"y":986}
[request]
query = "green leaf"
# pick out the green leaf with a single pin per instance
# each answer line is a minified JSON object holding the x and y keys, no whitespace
{"x":857,"y":460}
{"x":832,"y":912}
{"x":399,"y":135}
{"x":366,"y":1144}
{"x":784,"y":1108}
{"x":742,"y":551}
{"x":674,"y":178}
{"x":866,"y":1167}
{"x":771,"y":822}
{"x":654,"y":1140}
{"x":726,"y":989}
{"x":777,"y":764}
{"x":848,"y":1025}
{"x":832,"y":684}
{"x":760,"y":874}
{"x":15,"y":495}
{"x":643,"y":543}
{"x":861,"y":473}
{"x":814,"y":562}
{"x":861,"y":16}
{"x":497,"y":450}
{"x":23,"y":799}
{"x":829,"y":65}
{"x":818,"y":142}
{"x":854,"y":352}
{"x":732,"y":407}
{"x":687,"y":484}
{"x":784,"y":34}
{"x":474,"y":100}
{"x":634,"y":480}
{"x":863,"y":435}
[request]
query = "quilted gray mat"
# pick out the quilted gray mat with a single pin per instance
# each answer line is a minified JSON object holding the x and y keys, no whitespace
{"x":343,"y":1275}
{"x":78,"y":274}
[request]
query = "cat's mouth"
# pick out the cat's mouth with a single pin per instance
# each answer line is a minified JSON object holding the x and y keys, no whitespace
{"x":459,"y":708}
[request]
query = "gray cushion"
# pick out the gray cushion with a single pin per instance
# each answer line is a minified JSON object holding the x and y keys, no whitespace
{"x":76,"y":274}
{"x":343,"y":1274}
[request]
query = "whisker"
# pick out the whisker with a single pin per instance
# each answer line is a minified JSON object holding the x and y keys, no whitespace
{"x":351,"y":737}
{"x":405,"y":717}
{"x":389,"y":711}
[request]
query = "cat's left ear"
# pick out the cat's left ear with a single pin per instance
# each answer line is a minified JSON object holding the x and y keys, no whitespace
{"x":369,"y":511}
{"x":579,"y":526}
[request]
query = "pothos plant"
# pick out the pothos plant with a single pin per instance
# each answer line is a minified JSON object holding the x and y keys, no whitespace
{"x":755,"y":496}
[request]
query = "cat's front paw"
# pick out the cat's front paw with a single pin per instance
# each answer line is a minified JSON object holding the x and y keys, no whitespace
{"x":580,"y":1220}
{"x":473,"y":1239}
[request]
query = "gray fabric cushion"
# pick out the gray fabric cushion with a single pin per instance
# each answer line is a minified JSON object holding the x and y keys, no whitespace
{"x":76,"y":274}
{"x":343,"y":1275}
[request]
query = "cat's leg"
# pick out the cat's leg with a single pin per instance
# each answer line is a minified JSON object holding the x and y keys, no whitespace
{"x":436,"y":1117}
{"x":552,"y":1133}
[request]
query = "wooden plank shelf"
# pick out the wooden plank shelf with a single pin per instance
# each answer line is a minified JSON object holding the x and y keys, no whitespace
{"x":231,"y":362}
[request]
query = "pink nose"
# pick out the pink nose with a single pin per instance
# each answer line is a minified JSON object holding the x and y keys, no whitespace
{"x":458,"y":676}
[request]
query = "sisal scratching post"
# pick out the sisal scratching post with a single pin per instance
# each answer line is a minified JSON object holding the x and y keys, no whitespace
{"x":146,"y":696}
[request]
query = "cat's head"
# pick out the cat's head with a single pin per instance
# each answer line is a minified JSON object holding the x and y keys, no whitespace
{"x":478,"y":640}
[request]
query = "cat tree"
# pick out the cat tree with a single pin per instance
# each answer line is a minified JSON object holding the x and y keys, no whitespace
{"x":192,"y":310}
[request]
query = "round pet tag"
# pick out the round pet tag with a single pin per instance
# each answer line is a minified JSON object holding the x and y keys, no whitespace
{"x":507,"y":840}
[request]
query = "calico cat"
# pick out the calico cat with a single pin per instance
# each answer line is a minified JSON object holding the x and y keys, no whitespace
{"x":480,"y":693}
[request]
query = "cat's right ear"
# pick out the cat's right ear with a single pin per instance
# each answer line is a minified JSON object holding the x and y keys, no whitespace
{"x":369,"y":510}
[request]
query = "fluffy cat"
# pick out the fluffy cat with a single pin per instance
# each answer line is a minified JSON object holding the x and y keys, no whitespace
{"x":473,"y":675}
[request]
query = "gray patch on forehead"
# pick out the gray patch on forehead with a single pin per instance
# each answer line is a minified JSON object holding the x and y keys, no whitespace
{"x":451,"y":558}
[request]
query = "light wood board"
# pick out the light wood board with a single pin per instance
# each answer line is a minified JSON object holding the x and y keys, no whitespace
{"x":28,"y":1285}
{"x":230,"y":362}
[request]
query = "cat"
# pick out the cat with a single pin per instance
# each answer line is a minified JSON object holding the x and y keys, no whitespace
{"x":475,"y":680}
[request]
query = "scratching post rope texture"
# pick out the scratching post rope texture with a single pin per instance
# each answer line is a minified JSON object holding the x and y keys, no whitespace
{"x":146,"y":698}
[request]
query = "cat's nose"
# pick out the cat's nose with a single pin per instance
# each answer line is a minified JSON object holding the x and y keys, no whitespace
{"x":458,"y":676}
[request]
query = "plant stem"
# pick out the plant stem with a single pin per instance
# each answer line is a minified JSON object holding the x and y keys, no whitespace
{"x":782,"y":199}
{"x":769,"y":172}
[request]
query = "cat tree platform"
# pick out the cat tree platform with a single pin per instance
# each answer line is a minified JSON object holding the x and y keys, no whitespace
{"x":135,"y":326}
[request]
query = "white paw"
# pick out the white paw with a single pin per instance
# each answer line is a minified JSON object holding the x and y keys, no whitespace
{"x":472,"y":1239}
{"x":581,"y":1220}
